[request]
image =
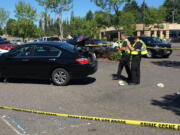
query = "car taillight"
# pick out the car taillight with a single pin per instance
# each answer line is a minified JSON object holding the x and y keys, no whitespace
{"x":82,"y":61}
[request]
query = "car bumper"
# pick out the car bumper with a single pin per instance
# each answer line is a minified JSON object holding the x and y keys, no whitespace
{"x":84,"y":70}
{"x":162,"y":52}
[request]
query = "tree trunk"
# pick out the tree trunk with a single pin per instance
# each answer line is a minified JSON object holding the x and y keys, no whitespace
{"x":60,"y":26}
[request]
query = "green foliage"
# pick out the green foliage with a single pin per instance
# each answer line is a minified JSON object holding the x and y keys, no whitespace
{"x":155,"y":16}
{"x":57,"y":6}
{"x":127,"y":21}
{"x":110,"y":5}
{"x":89,"y":16}
{"x":115,"y":56}
{"x":103,"y":19}
{"x":1,"y":31}
{"x":4,"y":15}
{"x":172,"y":6}
{"x":11,"y":27}
{"x":23,"y":28}
{"x":135,"y":9}
{"x":24,"y":10}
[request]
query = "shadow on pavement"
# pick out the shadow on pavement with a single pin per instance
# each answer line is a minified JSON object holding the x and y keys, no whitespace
{"x":84,"y":81}
{"x":169,"y":102}
{"x":115,"y":77}
{"x":173,"y":64}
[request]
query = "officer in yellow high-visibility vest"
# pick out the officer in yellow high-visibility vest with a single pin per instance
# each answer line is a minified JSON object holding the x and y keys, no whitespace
{"x":137,"y":50}
{"x":125,"y":58}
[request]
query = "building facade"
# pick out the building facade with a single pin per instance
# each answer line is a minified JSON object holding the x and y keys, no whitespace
{"x":163,"y":31}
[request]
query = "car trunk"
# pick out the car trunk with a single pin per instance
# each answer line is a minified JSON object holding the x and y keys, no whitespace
{"x":84,"y":53}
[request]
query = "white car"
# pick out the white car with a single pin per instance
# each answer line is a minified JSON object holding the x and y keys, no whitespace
{"x":17,"y":42}
{"x":3,"y":51}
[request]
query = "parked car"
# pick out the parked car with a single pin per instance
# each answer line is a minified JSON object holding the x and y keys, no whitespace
{"x":95,"y":41}
{"x":176,"y":40}
{"x":157,"y":43}
{"x":57,"y":61}
{"x":45,"y":39}
{"x":17,"y":42}
{"x":2,"y":39}
{"x":2,"y":51}
{"x":5,"y":45}
{"x":79,"y":41}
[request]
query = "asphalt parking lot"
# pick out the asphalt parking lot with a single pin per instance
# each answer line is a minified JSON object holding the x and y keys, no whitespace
{"x":97,"y":95}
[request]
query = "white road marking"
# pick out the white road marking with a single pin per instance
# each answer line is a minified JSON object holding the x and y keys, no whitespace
{"x":13,"y":128}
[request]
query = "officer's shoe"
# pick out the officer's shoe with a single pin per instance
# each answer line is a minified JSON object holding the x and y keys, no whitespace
{"x":131,"y":83}
{"x":115,"y":77}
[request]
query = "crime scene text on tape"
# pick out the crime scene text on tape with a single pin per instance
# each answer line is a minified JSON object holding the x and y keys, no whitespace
{"x":159,"y":125}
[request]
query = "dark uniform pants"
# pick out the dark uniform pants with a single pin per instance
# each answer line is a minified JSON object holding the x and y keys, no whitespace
{"x":124,"y":62}
{"x":135,"y":69}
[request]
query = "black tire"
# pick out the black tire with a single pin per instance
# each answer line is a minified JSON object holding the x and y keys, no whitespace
{"x":1,"y":78}
{"x":60,"y":77}
{"x":166,"y":56}
{"x":149,"y":54}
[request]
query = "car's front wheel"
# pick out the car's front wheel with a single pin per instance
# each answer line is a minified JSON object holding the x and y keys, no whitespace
{"x":166,"y":56}
{"x":60,"y":77}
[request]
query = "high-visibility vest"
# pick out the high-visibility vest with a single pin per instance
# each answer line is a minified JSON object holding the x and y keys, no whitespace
{"x":127,"y":49}
{"x":142,"y":51}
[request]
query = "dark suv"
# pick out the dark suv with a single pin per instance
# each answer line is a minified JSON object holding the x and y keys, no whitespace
{"x":155,"y":42}
{"x":57,"y":61}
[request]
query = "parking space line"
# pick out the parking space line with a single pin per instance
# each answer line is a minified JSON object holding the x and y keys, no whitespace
{"x":12,"y":127}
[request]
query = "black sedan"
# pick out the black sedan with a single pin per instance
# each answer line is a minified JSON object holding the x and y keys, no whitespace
{"x":57,"y":61}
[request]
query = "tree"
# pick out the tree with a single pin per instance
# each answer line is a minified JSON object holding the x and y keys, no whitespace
{"x":1,"y":31}
{"x":155,"y":16}
{"x":143,"y":9}
{"x":103,"y":19}
{"x":26,"y":11}
{"x":11,"y":27}
{"x":173,"y":11}
{"x":89,"y":16}
{"x":57,"y":6}
{"x":129,"y":27}
{"x":26,"y":28}
{"x":4,"y":15}
{"x":110,"y":5}
{"x":134,"y":9}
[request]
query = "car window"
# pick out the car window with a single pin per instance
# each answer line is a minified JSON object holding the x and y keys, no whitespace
{"x":4,"y":42}
{"x":22,"y":52}
{"x":68,"y":47}
{"x":46,"y":51}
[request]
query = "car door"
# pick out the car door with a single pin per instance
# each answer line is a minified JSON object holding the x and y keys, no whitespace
{"x":17,"y":63}
{"x":45,"y":58}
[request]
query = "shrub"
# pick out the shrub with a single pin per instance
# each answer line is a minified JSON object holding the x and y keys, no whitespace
{"x":116,"y":56}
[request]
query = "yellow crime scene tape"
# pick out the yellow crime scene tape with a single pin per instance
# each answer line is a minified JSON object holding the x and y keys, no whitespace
{"x":160,"y":48}
{"x":158,"y":125}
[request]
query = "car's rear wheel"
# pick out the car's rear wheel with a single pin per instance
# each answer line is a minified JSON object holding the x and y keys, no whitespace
{"x":60,"y":77}
{"x":149,"y":54}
